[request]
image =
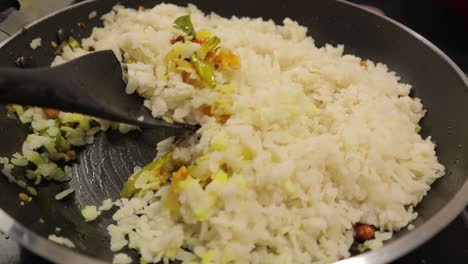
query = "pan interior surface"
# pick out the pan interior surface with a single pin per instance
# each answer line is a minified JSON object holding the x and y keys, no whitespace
{"x":103,"y":167}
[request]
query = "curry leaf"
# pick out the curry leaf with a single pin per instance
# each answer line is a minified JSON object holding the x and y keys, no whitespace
{"x":184,"y":23}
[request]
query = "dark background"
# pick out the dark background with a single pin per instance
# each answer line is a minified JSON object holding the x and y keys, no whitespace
{"x":445,"y":23}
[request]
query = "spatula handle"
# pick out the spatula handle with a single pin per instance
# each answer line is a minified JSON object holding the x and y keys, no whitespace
{"x":33,"y":87}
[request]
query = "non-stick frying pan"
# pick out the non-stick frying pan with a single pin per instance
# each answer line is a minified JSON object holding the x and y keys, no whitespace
{"x":102,"y":167}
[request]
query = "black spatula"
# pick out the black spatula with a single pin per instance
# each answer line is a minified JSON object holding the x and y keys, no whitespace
{"x":91,"y":85}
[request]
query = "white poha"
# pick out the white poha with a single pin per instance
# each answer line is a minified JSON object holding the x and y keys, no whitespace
{"x":35,"y":43}
{"x":297,"y":144}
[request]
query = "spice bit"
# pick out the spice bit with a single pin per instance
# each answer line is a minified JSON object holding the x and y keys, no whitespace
{"x":23,"y":62}
{"x":51,"y":113}
{"x":24,"y":197}
{"x":18,"y":62}
{"x":11,"y":112}
{"x":23,"y":30}
{"x":82,"y":24}
{"x":223,"y":118}
{"x":178,"y":39}
{"x":71,"y":154}
{"x":363,"y":63}
{"x":206,"y":110}
{"x":91,"y":48}
{"x":53,"y":44}
{"x":141,"y":8}
{"x":364,"y":232}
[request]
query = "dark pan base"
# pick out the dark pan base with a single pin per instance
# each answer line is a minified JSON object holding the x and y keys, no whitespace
{"x":103,"y":167}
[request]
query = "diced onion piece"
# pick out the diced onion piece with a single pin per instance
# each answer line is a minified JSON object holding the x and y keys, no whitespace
{"x":90,"y":213}
{"x":64,"y":193}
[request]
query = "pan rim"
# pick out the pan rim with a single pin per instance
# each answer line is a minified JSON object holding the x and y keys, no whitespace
{"x":391,"y":251}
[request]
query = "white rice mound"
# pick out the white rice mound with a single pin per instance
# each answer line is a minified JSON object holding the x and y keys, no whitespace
{"x":316,"y":143}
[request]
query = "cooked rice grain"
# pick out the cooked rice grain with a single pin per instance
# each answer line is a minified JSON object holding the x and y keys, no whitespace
{"x":315,"y":144}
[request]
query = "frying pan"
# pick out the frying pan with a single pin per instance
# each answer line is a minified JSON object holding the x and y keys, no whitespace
{"x":102,"y":168}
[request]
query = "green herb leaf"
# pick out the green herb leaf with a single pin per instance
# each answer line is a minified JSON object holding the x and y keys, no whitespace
{"x":73,"y":42}
{"x":184,"y":23}
{"x":208,"y":46}
{"x":203,"y":69}
{"x":418,"y":128}
{"x":129,"y":189}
